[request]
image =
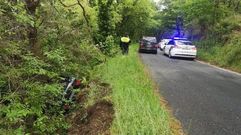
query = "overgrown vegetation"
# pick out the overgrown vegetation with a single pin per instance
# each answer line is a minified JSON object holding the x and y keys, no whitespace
{"x":213,"y":25}
{"x":137,"y":108}
{"x":42,"y":40}
{"x":225,"y":50}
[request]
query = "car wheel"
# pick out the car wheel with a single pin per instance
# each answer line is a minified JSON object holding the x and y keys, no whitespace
{"x":193,"y":59}
{"x":164,"y":51}
{"x":155,"y":52}
{"x":169,"y":54}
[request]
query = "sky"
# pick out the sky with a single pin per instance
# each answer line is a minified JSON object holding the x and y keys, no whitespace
{"x":161,"y":7}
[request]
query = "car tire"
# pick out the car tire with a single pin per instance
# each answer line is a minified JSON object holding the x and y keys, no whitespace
{"x":164,"y":51}
{"x":193,"y":59}
{"x":139,"y":51}
{"x":155,"y":52}
{"x":169,"y":54}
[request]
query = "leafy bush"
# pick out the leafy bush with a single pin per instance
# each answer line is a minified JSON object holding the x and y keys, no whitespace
{"x":225,"y":54}
{"x":224,"y":28}
{"x":30,"y":89}
{"x":109,"y":47}
{"x":43,"y":40}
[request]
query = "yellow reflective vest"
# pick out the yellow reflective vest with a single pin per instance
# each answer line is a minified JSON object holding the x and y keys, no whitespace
{"x":125,"y":39}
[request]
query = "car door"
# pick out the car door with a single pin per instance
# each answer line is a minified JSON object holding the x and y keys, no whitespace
{"x":168,"y":46}
{"x":164,"y":43}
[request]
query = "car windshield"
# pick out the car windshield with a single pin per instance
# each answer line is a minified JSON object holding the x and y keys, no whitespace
{"x":150,"y":39}
{"x":146,"y":42}
{"x":184,"y":43}
{"x":166,"y":40}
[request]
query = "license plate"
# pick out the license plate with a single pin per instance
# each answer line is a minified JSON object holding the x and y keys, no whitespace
{"x":149,"y":46}
{"x":186,"y":48}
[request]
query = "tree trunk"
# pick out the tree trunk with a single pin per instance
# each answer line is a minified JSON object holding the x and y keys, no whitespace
{"x":237,"y":6}
{"x":31,"y":6}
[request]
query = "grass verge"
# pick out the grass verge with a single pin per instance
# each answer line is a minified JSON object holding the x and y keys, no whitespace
{"x":224,"y":50}
{"x":227,"y":56}
{"x":137,"y":107}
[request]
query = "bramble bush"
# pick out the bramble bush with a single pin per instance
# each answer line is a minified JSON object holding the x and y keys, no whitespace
{"x":43,"y":40}
{"x":30,"y":89}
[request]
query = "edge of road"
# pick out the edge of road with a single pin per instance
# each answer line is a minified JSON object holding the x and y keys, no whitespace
{"x":175,"y":124}
{"x":217,"y":67}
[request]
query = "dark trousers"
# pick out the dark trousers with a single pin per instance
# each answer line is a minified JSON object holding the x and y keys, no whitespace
{"x":125,"y":48}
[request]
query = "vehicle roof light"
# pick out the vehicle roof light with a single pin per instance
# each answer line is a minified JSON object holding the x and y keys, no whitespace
{"x":179,"y":38}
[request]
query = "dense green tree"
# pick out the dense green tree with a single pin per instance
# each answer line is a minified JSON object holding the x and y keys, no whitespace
{"x":200,"y":16}
{"x":38,"y":45}
{"x":213,"y":24}
{"x":41,"y":40}
{"x":137,"y":17}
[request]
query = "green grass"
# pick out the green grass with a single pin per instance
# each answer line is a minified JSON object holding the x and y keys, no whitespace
{"x":226,"y":51}
{"x":227,"y":56}
{"x":137,"y":108}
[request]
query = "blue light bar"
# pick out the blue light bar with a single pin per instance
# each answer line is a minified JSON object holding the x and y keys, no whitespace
{"x":179,"y":38}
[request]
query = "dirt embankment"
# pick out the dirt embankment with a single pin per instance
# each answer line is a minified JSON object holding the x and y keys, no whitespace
{"x":95,"y":113}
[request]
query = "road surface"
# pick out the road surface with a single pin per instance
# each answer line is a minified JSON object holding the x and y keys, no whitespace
{"x":206,"y":100}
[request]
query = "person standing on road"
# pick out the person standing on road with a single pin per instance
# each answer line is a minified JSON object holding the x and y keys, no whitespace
{"x":124,"y":44}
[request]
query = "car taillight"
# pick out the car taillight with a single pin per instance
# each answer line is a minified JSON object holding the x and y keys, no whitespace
{"x":176,"y":46}
{"x":194,"y":48}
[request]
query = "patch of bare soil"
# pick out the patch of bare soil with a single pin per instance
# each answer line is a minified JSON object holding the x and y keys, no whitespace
{"x":98,"y":120}
{"x":95,"y":119}
{"x":82,"y":96}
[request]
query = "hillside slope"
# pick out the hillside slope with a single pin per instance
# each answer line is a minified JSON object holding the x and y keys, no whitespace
{"x":228,"y":53}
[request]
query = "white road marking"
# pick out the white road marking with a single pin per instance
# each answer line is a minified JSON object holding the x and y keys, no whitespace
{"x":223,"y":69}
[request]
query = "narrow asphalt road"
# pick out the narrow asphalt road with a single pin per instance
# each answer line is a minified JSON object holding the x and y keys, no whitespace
{"x":205,"y":99}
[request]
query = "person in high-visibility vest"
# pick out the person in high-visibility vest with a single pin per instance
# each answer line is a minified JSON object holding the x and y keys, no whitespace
{"x":124,"y":44}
